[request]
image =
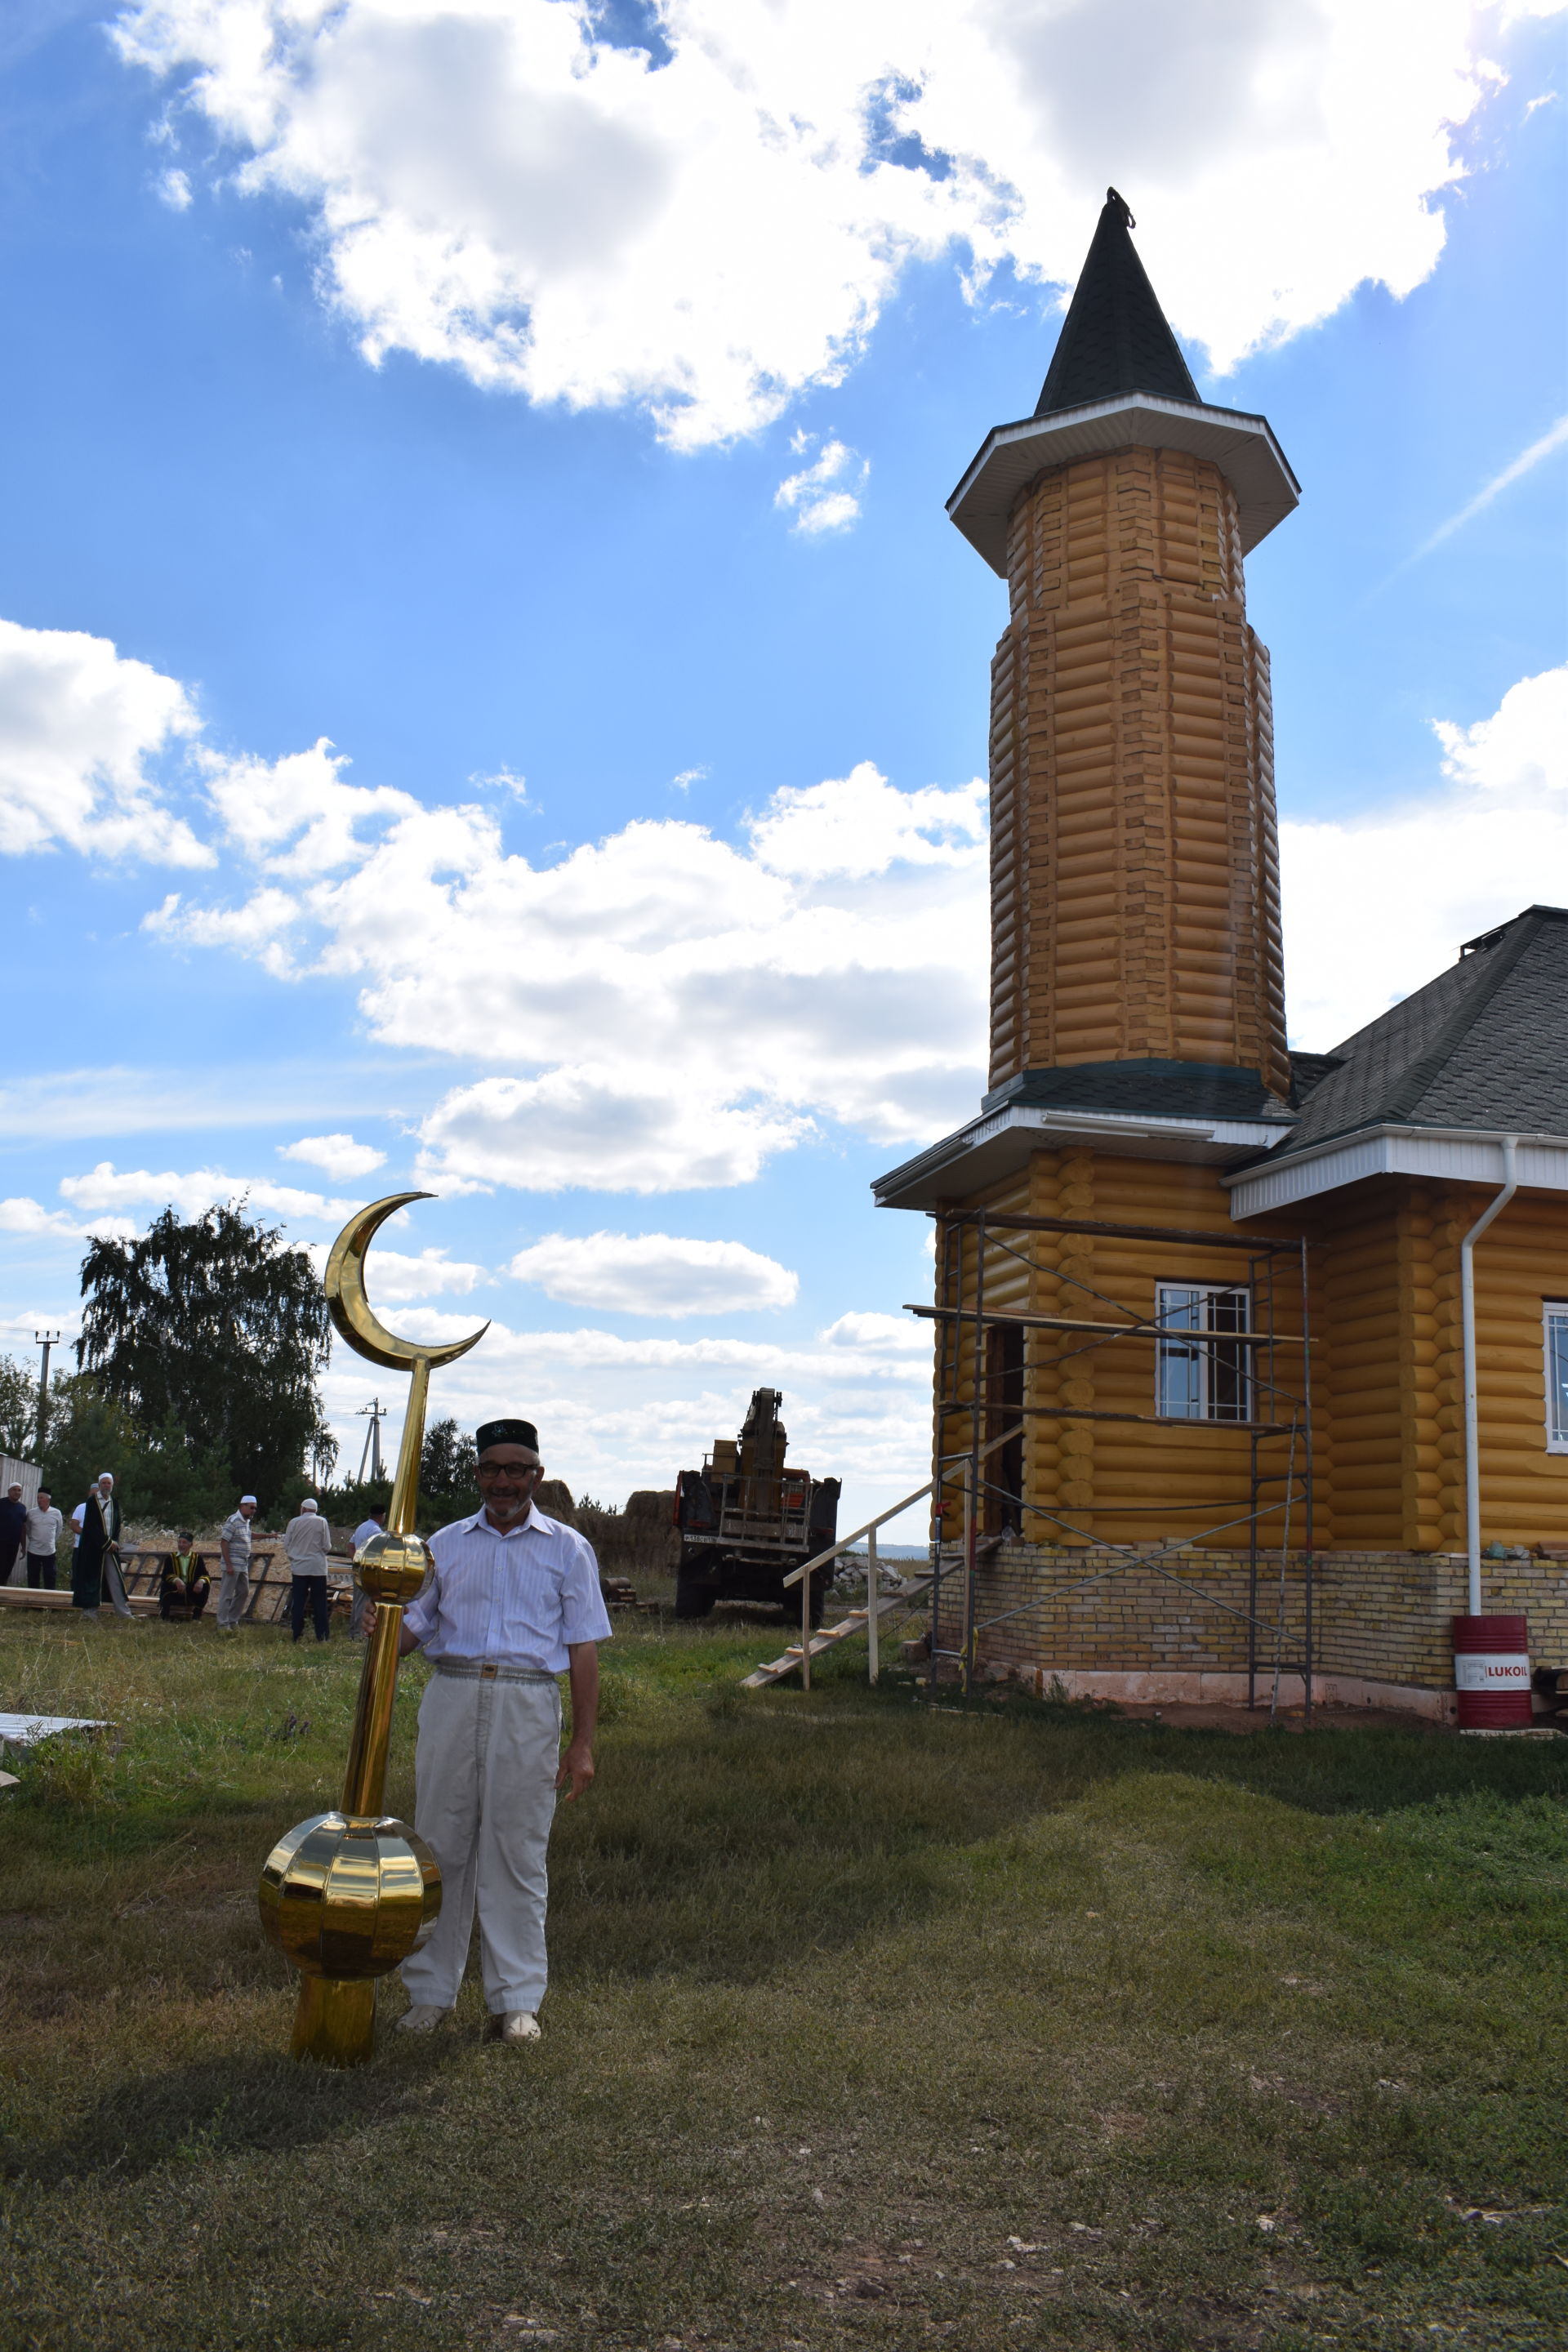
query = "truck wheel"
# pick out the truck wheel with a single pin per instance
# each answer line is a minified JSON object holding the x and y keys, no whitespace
{"x":693,"y":1599}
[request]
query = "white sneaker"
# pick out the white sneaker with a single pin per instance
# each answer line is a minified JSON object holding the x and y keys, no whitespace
{"x":515,"y":2025}
{"x":423,"y":2018}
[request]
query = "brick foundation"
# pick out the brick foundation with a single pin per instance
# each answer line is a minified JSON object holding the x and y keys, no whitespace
{"x":1381,"y":1633}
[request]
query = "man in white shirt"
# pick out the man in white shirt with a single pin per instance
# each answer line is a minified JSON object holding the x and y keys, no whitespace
{"x":361,"y":1615}
{"x":234,"y":1540}
{"x":512,"y":1600}
{"x":307,"y":1540}
{"x":45,"y":1528}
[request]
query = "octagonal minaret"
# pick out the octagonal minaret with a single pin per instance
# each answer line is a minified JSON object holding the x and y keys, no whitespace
{"x":1134,"y":880}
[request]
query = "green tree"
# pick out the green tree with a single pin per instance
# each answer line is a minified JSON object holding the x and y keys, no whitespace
{"x":18,"y":1410}
{"x":209,"y":1334}
{"x":448,"y":1473}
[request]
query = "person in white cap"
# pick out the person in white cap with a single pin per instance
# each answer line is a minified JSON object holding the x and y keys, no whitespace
{"x":95,"y":1566}
{"x":234,"y":1591}
{"x":307,"y":1540}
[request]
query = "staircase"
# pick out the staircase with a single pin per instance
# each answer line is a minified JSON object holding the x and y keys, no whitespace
{"x":856,"y":1621}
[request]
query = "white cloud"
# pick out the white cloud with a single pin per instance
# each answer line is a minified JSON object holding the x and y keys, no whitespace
{"x":21,"y":1215}
{"x":613,"y":1129}
{"x":53,"y":1106}
{"x":174,"y":190}
{"x":878,"y":1333}
{"x":393,"y":1275}
{"x":1377,"y":906}
{"x":297,"y":812}
{"x":687,"y":778}
{"x":81,"y":730}
{"x":107,"y":1187}
{"x":592,"y":1350}
{"x":655,"y":1273}
{"x":820,"y":497}
{"x":339,"y":1156}
{"x":495,"y":189}
{"x":666,"y":1009}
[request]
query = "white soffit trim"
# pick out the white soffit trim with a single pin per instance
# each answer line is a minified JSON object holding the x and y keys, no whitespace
{"x":1241,"y":446}
{"x":997,"y":1146}
{"x":1467,"y":1155}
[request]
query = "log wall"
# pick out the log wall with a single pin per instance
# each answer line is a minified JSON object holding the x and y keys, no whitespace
{"x":1387,"y":1399}
{"x":1134,"y":885}
{"x":1392,"y":1363}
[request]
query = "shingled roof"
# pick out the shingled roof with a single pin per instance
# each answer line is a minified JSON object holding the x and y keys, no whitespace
{"x":1115,"y":338}
{"x":1481,"y":1046}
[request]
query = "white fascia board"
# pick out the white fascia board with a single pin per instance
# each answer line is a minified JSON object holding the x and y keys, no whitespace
{"x":1465,"y":1155}
{"x":1243,"y":447}
{"x":1001,"y":1143}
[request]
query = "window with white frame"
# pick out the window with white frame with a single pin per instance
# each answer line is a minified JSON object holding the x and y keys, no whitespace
{"x":1202,"y":1374}
{"x":1555,"y":1318}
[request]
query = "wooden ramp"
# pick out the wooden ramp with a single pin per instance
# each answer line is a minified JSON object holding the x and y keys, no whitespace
{"x":893,"y":1604}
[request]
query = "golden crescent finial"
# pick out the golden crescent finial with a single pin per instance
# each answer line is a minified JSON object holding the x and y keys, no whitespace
{"x":351,"y":1310}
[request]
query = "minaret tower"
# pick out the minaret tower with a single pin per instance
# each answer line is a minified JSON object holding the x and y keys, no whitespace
{"x":1134,"y":883}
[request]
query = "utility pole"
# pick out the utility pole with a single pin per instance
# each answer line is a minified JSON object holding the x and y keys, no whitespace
{"x":376,"y":1414}
{"x":46,"y":1340}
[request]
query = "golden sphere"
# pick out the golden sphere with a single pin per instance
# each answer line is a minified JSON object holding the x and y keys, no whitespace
{"x":348,"y":1895}
{"x":392,"y":1568}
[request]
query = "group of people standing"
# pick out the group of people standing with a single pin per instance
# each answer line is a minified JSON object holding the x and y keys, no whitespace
{"x":36,"y":1528}
{"x":95,"y":1555}
{"x":184,"y":1585}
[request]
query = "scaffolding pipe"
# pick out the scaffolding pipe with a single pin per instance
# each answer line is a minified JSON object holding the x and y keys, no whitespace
{"x":1266,"y":1341}
{"x":1467,"y":1319}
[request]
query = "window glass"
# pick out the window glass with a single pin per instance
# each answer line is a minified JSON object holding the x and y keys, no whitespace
{"x":1207,"y":1378}
{"x":1557,"y":1379}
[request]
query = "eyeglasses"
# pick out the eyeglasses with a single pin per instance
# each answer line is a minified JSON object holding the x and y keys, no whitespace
{"x":508,"y":1470}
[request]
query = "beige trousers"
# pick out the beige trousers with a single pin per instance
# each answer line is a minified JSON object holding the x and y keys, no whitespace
{"x":232,"y":1595}
{"x":484,"y":1777}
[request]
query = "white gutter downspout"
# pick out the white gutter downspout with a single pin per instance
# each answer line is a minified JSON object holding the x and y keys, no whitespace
{"x":1467,"y":1319}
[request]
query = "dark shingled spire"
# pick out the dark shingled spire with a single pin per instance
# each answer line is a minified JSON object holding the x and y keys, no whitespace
{"x":1114,"y":338}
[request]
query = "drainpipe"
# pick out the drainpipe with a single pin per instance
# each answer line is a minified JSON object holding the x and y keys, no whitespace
{"x":1467,"y":1319}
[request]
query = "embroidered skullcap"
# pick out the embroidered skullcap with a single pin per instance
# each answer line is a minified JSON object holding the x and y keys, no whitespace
{"x":308,"y":1504}
{"x":248,"y":1498}
{"x":506,"y":1433}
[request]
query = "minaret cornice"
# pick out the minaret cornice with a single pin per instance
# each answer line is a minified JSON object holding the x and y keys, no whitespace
{"x":1240,"y":444}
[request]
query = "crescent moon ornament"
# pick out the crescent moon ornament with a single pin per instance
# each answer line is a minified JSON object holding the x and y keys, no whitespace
{"x":349,"y":1894}
{"x":349,"y":1308}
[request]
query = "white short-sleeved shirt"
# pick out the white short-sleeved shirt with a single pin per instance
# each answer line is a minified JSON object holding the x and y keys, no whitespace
{"x":523,"y":1599}
{"x":43,"y":1529}
{"x":236,"y":1533}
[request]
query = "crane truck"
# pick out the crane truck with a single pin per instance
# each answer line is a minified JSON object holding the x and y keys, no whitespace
{"x":746,"y":1521}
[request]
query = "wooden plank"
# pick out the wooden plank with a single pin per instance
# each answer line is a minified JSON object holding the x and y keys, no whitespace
{"x":1256,"y":1246}
{"x":1105,"y":1330}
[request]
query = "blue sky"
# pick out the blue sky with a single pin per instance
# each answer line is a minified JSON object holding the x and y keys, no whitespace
{"x":561,"y":432}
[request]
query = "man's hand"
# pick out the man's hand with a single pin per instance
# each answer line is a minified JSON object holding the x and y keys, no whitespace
{"x":577,"y":1764}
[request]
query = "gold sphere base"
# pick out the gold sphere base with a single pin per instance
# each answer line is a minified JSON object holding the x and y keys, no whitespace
{"x":335,"y":2020}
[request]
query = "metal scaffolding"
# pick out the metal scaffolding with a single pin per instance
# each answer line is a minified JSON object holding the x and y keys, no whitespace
{"x":1278,"y":1421}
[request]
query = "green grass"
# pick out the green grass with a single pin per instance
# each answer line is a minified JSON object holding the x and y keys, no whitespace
{"x":870,"y":2026}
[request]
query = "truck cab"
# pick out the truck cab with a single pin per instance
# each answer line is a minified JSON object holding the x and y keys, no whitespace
{"x":747,"y":1521}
